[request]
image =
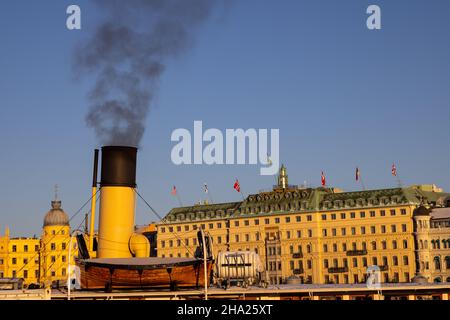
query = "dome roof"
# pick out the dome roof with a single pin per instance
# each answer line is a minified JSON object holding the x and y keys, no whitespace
{"x":56,"y":216}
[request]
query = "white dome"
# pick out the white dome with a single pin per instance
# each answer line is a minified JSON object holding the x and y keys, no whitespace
{"x":56,"y":216}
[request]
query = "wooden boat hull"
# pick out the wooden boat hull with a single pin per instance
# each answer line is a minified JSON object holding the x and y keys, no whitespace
{"x":138,"y":273}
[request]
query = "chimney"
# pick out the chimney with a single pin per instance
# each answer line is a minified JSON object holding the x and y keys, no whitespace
{"x":117,"y":201}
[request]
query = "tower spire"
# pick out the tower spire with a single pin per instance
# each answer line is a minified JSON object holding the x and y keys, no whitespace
{"x":56,"y":192}
{"x":283,"y":178}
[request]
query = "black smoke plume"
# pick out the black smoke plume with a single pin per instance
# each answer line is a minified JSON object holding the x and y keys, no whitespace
{"x":127,"y":54}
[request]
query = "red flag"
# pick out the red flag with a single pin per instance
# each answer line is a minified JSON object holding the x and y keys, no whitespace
{"x":323,"y":179}
{"x":394,"y":170}
{"x":357,"y":173}
{"x":174,"y":191}
{"x":237,"y":186}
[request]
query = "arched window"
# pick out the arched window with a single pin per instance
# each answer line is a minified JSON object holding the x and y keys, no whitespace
{"x":438,"y":243}
{"x":437,"y":280}
{"x":447,"y":262}
{"x":426,"y":244}
{"x":437,"y":263}
{"x":433,"y":244}
{"x":421,"y":244}
{"x":448,"y":279}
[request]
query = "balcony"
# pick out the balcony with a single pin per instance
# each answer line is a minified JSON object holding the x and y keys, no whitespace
{"x":356,"y":253}
{"x":384,"y":268}
{"x":297,"y":255}
{"x":338,"y":270}
{"x":298,"y":271}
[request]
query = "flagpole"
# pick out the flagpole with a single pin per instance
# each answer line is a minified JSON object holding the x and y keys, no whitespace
{"x":179,"y":200}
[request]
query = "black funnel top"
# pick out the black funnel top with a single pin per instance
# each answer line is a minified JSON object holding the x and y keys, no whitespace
{"x":118,"y":166}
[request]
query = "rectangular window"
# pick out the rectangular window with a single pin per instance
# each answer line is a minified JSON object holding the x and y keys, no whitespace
{"x":403,"y":212}
{"x":344,"y":247}
{"x":392,"y":212}
{"x":362,"y":214}
{"x":394,"y":244}
{"x":298,"y":218}
{"x":163,"y":244}
{"x":334,"y":247}
{"x":256,"y":222}
{"x":186,"y":228}
{"x":343,"y":231}
{"x":236,"y":238}
{"x":383,"y":245}
{"x":170,"y":229}
{"x":287,"y":219}
{"x":163,"y":230}
{"x":236,"y":223}
{"x":395,"y":261}
{"x":14,"y":248}
{"x":324,"y":232}
{"x":266,"y":221}
{"x":372,"y":229}
{"x":403,"y":227}
{"x":333,"y":232}
{"x":186,"y":241}
{"x":219,"y":239}
{"x":299,"y":234}
{"x":194,"y":227}
{"x":14,"y":260}
{"x":382,"y":213}
{"x":211,"y":226}
{"x":64,"y":246}
{"x":372,"y":214}
{"x":405,"y":244}
{"x":25,"y":248}
{"x":171,"y":243}
{"x":288,"y":234}
{"x":277,"y":220}
{"x":257,"y":236}
{"x":53,"y":259}
{"x":309,"y":218}
{"x":352,"y":215}
{"x":246,"y":222}
{"x":342,"y":215}
{"x":324,"y":217}
{"x":219,"y":225}
{"x":393,"y":228}
{"x":36,"y":248}
{"x":383,"y":229}
{"x":179,"y":228}
{"x":203,"y":226}
{"x":53,"y":246}
{"x":247,"y":237}
{"x":333,"y":216}
{"x":363,"y":230}
{"x":353,"y":230}
{"x":325,"y":248}
{"x":309,"y":233}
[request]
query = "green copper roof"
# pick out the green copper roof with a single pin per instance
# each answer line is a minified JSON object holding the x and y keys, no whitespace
{"x":281,"y":201}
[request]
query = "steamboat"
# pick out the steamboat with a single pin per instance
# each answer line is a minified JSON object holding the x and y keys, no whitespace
{"x":120,"y":256}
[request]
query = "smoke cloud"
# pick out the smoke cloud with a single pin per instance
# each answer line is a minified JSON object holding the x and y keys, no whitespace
{"x":128,"y":54}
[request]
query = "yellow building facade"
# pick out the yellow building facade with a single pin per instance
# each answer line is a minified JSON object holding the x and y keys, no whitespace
{"x":39,"y":261}
{"x":319,"y":235}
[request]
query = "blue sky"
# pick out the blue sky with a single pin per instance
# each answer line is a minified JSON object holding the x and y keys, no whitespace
{"x":340,"y":94}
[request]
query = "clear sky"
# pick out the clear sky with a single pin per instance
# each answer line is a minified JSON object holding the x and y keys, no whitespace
{"x":340,"y":94}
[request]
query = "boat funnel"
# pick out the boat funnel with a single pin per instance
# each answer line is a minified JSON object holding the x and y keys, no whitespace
{"x":117,"y":201}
